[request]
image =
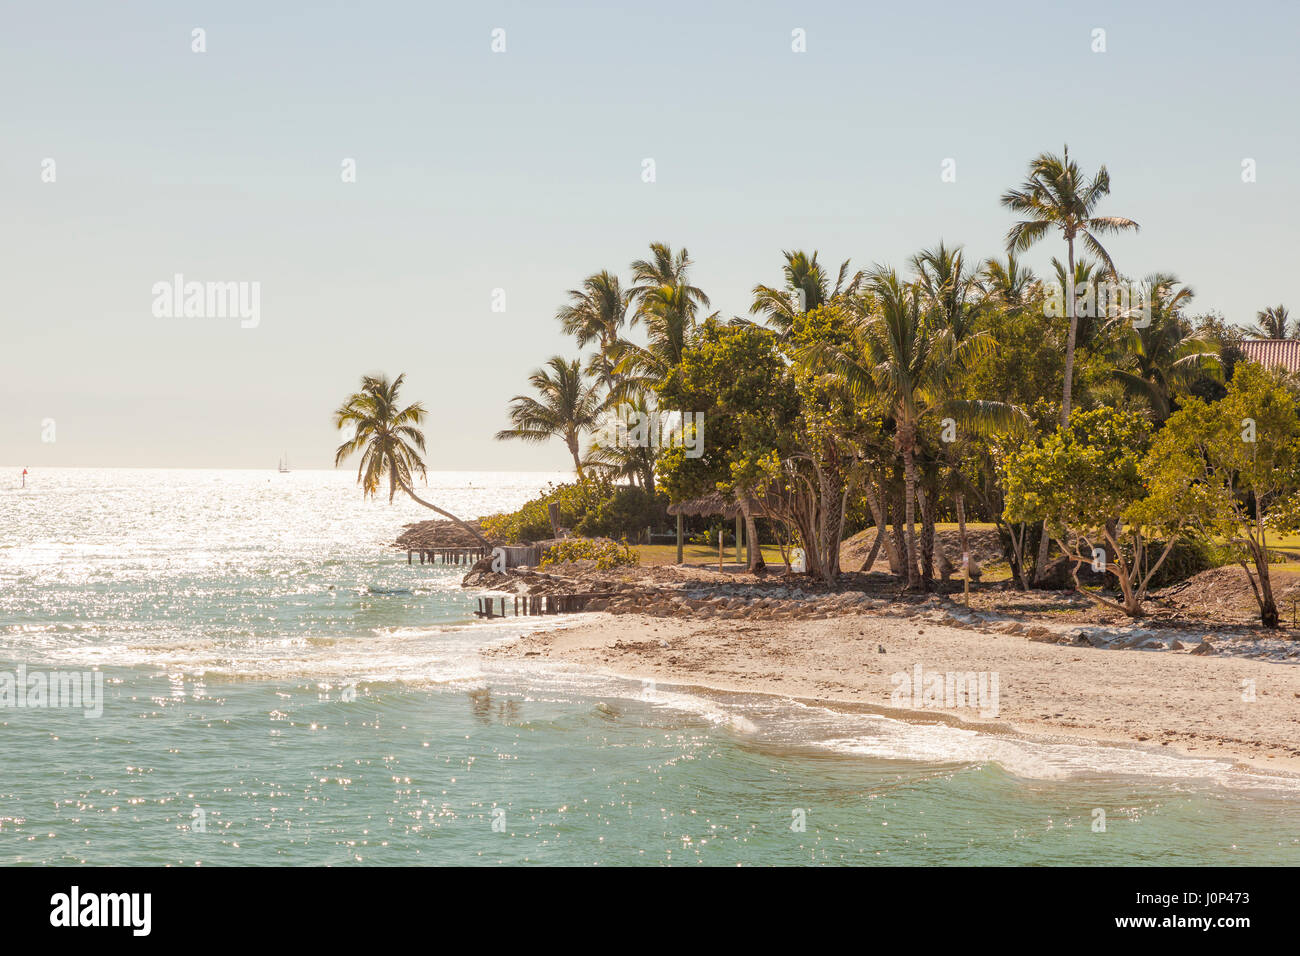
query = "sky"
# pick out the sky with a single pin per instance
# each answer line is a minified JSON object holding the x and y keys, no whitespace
{"x":523,"y":171}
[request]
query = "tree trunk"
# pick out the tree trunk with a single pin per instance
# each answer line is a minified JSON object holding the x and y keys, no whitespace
{"x":1040,"y":565}
{"x":447,"y":514}
{"x":755,"y":553}
{"x":573,"y":450}
{"x":831,"y":525}
{"x":909,"y":510}
{"x":1069,"y":342}
{"x":881,"y":534}
{"x":899,"y":567}
{"x":1267,"y":605}
{"x":876,"y":502}
{"x":927,"y":537}
{"x":960,"y":501}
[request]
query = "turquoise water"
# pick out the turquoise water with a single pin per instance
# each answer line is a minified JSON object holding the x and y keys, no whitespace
{"x":278,"y":688}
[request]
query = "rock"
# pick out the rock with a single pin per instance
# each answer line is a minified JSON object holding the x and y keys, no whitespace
{"x":1205,"y":647}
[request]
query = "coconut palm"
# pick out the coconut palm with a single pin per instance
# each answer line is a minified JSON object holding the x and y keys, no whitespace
{"x":567,"y":407}
{"x":906,"y":359}
{"x":803,"y":274}
{"x":668,"y":312}
{"x":390,"y":441}
{"x":1275,"y":323}
{"x":1162,"y":358}
{"x":663,"y":268}
{"x":1007,"y":283}
{"x":1056,"y":195}
{"x":596,"y":313}
{"x":1086,"y":276}
{"x":633,"y":460}
{"x":947,"y":286}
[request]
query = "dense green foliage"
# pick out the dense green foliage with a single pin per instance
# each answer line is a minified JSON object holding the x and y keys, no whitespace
{"x":1080,"y":411}
{"x":593,"y":506}
{"x":606,"y":554}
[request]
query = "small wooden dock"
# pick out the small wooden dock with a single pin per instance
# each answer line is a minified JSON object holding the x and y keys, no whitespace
{"x":447,"y":555}
{"x":533,"y":604}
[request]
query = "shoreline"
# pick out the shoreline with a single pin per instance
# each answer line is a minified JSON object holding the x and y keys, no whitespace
{"x":1177,"y":704}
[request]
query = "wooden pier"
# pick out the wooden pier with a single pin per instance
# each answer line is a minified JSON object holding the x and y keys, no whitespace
{"x":533,"y":604}
{"x":447,"y":555}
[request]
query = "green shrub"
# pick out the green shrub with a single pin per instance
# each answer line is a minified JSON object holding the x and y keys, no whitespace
{"x":1190,"y":556}
{"x":606,"y":554}
{"x":624,"y":514}
{"x":594,"y":506}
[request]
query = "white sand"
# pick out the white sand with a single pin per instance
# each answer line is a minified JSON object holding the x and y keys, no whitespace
{"x":1192,"y":705}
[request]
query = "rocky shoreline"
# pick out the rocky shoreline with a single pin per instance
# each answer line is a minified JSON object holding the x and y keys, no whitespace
{"x":697,"y":594}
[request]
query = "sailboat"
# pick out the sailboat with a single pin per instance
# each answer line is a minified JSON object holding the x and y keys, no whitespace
{"x":284,"y":465}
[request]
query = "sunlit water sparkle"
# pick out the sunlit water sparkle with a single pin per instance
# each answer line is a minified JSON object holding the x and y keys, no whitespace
{"x":274,"y":670}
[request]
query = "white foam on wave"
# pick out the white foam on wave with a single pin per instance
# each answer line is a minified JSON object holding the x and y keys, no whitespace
{"x":786,"y":722}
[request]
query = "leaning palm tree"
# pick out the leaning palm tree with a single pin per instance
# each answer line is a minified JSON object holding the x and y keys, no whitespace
{"x":906,"y":359}
{"x":1161,"y":359}
{"x":1056,"y":195}
{"x":596,"y":313}
{"x":567,"y":407}
{"x":390,"y":441}
{"x":1275,"y":323}
{"x":804,"y":279}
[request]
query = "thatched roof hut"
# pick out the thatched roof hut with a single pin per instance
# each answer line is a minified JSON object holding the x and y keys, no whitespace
{"x":439,"y":534}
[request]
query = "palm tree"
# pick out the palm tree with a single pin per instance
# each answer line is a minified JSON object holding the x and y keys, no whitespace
{"x":664,"y":269}
{"x":1007,"y":283}
{"x":947,"y":286}
{"x":1275,"y":323}
{"x":1163,"y":358}
{"x":803,"y":273}
{"x":909,"y":362}
{"x":1085,"y":279}
{"x":626,"y":459}
{"x":390,"y":441}
{"x":1056,"y":195}
{"x":596,"y":313}
{"x":669,"y":315}
{"x":567,"y":408}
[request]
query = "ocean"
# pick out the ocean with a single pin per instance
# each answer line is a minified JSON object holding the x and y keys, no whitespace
{"x":281,"y":687}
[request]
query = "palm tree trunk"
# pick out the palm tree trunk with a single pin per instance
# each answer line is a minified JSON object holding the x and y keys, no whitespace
{"x":877,"y":502}
{"x":446,"y":514}
{"x":1045,"y":542}
{"x":1069,"y":342}
{"x":909,"y":510}
{"x":927,"y":537}
{"x":899,"y":567}
{"x":573,"y":450}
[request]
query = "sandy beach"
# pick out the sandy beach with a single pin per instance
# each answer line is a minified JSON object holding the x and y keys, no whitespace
{"x":1193,"y":705}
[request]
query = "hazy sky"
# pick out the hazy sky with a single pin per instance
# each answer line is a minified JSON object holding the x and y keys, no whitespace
{"x":523,"y":171}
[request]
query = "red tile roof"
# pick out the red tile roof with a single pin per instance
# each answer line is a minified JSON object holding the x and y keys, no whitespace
{"x":1271,"y":352}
